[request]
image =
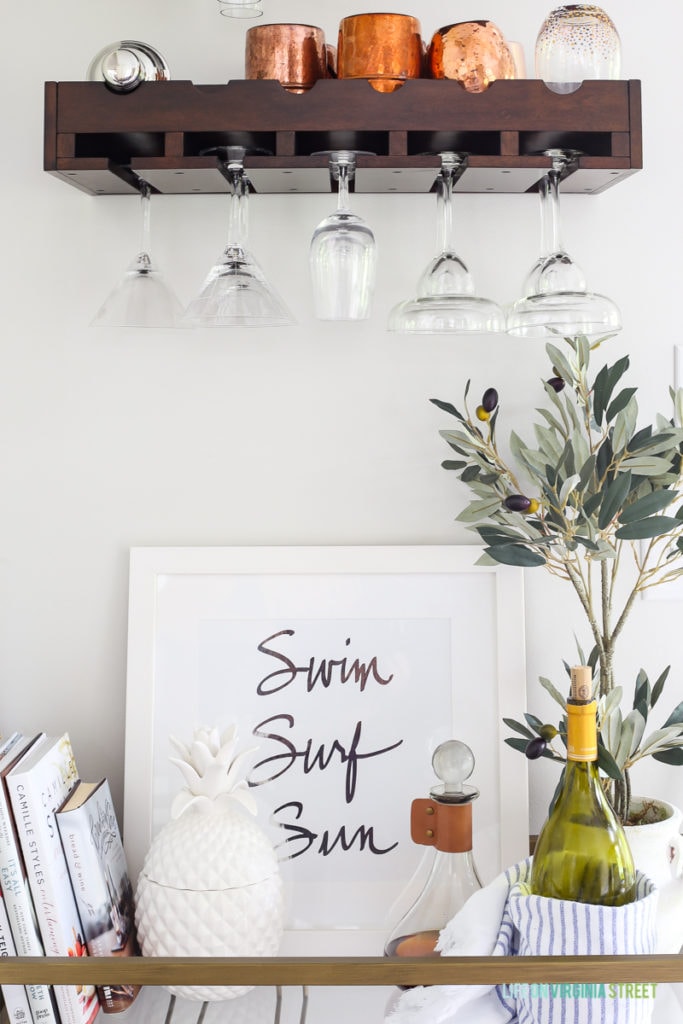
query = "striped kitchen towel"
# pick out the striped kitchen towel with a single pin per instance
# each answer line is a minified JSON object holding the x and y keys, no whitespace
{"x":537,"y":926}
{"x":505,"y":919}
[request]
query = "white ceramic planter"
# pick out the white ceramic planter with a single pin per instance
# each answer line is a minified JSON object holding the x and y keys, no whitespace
{"x":658,"y":852}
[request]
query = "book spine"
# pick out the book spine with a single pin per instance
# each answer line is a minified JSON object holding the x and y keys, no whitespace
{"x":15,"y":996}
{"x":101,"y":887}
{"x":20,"y":912}
{"x":35,"y":797}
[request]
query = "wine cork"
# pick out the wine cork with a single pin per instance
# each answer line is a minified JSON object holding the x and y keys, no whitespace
{"x":581,"y":683}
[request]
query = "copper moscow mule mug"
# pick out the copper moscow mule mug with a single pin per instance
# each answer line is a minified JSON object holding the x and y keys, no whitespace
{"x":473,"y":53}
{"x":294,"y":55}
{"x":385,"y":49}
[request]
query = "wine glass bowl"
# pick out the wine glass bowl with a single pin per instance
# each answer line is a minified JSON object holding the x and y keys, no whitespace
{"x":555,"y":297}
{"x":235,"y":292}
{"x":343,"y":254}
{"x":142,"y":298}
{"x":446,"y":302}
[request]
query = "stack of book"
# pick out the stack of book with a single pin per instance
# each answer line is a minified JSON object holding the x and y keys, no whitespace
{"x":64,"y":885}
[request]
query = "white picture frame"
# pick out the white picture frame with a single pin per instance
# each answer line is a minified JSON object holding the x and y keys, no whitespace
{"x":451,"y":635}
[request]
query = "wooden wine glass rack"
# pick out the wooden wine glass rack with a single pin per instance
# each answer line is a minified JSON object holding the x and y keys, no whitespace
{"x":102,"y":142}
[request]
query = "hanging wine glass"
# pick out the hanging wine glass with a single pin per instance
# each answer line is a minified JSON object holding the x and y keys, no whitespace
{"x":235,"y":292}
{"x":555,"y":299}
{"x":446,"y":302}
{"x":142,"y":298}
{"x":343,"y":254}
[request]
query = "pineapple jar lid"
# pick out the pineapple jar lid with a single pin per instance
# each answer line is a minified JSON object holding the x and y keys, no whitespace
{"x":211,"y":842}
{"x":210,"y":852}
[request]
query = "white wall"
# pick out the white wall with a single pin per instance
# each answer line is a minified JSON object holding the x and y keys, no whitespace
{"x":318,"y":434}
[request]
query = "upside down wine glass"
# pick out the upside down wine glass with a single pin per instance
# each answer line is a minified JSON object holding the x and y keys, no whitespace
{"x":235,"y":292}
{"x":446,"y":302}
{"x":555,"y":299}
{"x":343,"y":254}
{"x":142,"y":298}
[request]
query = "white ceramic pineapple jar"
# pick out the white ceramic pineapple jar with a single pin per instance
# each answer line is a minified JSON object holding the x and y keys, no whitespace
{"x":210,"y":884}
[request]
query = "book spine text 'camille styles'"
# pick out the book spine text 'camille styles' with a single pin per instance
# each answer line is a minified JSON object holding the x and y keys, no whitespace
{"x":14,"y":884}
{"x":38,"y":784}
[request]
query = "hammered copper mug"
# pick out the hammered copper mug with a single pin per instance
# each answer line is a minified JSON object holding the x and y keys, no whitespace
{"x":473,"y":53}
{"x":294,"y":55}
{"x":385,"y":49}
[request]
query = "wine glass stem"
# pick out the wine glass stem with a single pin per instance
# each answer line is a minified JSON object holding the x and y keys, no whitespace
{"x":343,"y":182}
{"x":145,"y":203}
{"x":550,"y":213}
{"x":237,"y":222}
{"x":444,"y":223}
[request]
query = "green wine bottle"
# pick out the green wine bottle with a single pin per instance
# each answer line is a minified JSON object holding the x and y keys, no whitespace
{"x":582,"y":853}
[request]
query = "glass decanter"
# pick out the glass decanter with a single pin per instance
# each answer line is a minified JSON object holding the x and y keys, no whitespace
{"x":443,"y":822}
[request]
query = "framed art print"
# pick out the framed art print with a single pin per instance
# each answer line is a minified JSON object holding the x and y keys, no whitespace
{"x":343,"y":668}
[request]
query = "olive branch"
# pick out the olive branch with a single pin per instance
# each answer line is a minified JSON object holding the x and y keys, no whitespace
{"x":593,"y":493}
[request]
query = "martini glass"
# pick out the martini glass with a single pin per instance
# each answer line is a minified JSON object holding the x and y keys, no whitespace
{"x":142,"y":298}
{"x":235,"y":292}
{"x":446,"y":302}
{"x":555,"y":298}
{"x":343,"y":255}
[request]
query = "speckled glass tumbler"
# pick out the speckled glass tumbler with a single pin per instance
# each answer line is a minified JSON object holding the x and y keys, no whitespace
{"x":577,"y":42}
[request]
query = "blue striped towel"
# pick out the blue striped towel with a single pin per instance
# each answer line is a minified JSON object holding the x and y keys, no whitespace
{"x":506,"y":919}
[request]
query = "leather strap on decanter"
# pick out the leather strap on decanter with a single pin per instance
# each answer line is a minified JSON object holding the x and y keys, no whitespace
{"x":448,"y":827}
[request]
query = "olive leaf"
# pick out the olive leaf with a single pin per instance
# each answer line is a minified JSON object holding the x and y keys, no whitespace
{"x":650,"y":465}
{"x":560,"y":362}
{"x":478,"y":510}
{"x":516,"y":554}
{"x":568,"y":486}
{"x":653,"y":502}
{"x":624,"y":426}
{"x":605,"y":382}
{"x":653,"y":526}
{"x":607,"y":763}
{"x":553,"y":691}
{"x":659,"y":686}
{"x":676,"y":716}
{"x":613,"y":498}
{"x":447,"y":407}
{"x":518,"y":727}
{"x":619,"y":403}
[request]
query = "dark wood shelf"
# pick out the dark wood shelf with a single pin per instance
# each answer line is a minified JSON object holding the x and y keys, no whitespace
{"x":99,"y":141}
